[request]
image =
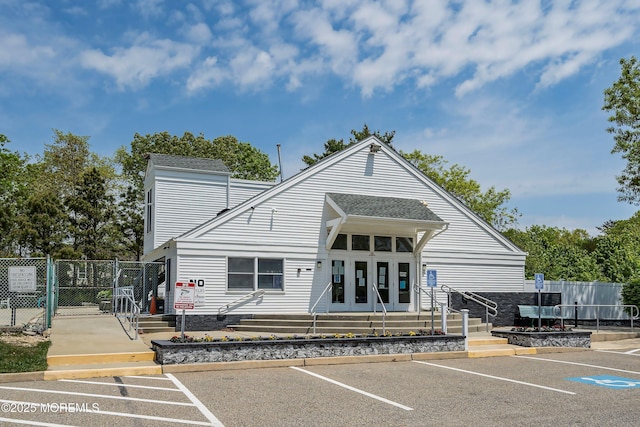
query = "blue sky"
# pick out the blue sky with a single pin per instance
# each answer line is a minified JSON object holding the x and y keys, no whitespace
{"x":511,"y":90}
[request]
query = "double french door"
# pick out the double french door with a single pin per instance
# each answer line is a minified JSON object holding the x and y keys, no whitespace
{"x":367,"y":284}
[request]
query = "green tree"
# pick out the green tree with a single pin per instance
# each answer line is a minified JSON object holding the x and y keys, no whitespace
{"x":43,"y":225}
{"x":622,"y":99}
{"x":616,"y":249}
{"x":14,"y":185}
{"x":490,"y":205}
{"x":558,"y":253}
{"x":93,"y":215}
{"x":335,"y":145}
{"x":130,"y":225}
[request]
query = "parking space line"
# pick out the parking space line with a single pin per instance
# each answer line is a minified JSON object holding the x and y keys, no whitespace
{"x":148,"y":378}
{"x":33,"y":423}
{"x":580,"y":364}
{"x":196,"y":402}
{"x":632,"y":351}
{"x":348,"y":387}
{"x":102,"y":412}
{"x":494,"y":377}
{"x":101,"y":396}
{"x":628,"y":353}
{"x":121,"y":385}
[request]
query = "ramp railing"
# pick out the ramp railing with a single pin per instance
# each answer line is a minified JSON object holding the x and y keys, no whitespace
{"x":126,"y":310}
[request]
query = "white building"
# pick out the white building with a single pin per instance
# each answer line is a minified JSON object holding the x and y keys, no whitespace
{"x":360,"y":220}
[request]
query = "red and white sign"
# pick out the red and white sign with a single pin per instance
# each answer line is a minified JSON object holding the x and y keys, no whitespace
{"x":185,"y":296}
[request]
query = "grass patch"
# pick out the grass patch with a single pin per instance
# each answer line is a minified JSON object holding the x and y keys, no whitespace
{"x":23,"y":358}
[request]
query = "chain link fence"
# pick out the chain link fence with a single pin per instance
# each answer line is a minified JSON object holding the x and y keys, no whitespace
{"x":86,"y":286}
{"x":24,"y":285}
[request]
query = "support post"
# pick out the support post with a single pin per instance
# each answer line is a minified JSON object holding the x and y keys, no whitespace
{"x":575,"y":313}
{"x":443,"y":316}
{"x":465,"y":327}
{"x":182,"y":324}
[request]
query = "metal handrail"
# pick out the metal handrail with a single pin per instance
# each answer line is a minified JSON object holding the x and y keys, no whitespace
{"x":444,"y":307}
{"x":597,"y":306}
{"x":384,"y":309}
{"x":127,"y":309}
{"x":250,"y":295}
{"x":313,"y":307}
{"x":491,"y":307}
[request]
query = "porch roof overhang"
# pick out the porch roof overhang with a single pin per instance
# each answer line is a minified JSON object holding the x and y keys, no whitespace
{"x":359,"y":213}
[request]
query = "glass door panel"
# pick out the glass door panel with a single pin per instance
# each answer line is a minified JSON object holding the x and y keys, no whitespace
{"x":382,"y":271}
{"x":337,"y":282}
{"x":361,"y":284}
{"x":404,"y":282}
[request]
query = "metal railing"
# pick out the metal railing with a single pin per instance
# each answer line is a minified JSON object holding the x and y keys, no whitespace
{"x":259,"y":293}
{"x":491,"y":307}
{"x":313,"y":307}
{"x":632,"y":316}
{"x":384,"y":309}
{"x":444,"y":307}
{"x":126,"y":309}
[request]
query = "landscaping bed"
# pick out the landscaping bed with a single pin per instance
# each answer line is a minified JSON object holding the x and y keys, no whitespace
{"x":275,"y":348}
{"x":545,"y":337}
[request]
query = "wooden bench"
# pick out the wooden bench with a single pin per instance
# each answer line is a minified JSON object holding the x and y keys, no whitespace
{"x":530,"y":313}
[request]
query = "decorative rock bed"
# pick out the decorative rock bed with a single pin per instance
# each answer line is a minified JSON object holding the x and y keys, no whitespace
{"x":168,"y":352}
{"x":546,"y":339}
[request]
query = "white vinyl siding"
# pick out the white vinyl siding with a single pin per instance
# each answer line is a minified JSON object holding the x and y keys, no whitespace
{"x":288,"y":222}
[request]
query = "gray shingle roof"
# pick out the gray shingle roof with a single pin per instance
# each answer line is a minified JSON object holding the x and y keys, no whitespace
{"x":184,"y":162}
{"x":384,"y":207}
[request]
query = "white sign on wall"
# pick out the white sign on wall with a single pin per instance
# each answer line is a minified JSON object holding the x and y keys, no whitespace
{"x":22,"y":279}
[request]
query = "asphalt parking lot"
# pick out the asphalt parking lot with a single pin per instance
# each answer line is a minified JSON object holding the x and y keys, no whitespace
{"x":578,"y":388}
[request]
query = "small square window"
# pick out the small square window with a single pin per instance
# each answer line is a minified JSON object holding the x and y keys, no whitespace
{"x":340,"y":242}
{"x":382,"y":244}
{"x":404,"y":244}
{"x":360,"y":243}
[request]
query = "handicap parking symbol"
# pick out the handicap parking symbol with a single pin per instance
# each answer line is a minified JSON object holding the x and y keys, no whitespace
{"x":608,"y":381}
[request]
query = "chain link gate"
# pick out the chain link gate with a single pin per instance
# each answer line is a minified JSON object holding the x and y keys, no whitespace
{"x":24,"y":292}
{"x":144,"y":278}
{"x":86,"y":286}
{"x":82,"y":285}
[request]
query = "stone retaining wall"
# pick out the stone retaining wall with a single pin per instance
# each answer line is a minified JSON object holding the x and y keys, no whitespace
{"x":580,"y":339}
{"x":168,"y":352}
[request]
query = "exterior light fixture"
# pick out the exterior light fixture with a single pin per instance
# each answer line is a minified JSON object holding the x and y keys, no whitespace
{"x":319,"y":264}
{"x":374,"y":148}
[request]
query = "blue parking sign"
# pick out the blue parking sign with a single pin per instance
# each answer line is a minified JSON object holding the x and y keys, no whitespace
{"x":539,"y":281}
{"x":432,"y":278}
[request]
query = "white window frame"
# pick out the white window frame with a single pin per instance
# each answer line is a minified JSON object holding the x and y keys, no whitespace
{"x":256,"y":274}
{"x":149,"y":215}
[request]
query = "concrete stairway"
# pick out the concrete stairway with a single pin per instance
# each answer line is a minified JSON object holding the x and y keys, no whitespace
{"x":156,"y":323}
{"x":488,"y":346}
{"x":357,"y":323}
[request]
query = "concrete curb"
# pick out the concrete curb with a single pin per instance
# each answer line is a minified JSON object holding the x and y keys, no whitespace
{"x":18,"y":377}
{"x":83,"y":359}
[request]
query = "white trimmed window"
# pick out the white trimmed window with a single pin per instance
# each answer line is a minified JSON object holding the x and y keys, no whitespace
{"x":249,"y":274}
{"x":149,"y":211}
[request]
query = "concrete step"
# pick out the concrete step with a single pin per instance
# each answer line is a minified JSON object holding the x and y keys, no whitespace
{"x":102,"y":358}
{"x":96,"y":370}
{"x":302,"y":330}
{"x":338,"y":324}
{"x":152,"y":329}
{"x":367,"y":316}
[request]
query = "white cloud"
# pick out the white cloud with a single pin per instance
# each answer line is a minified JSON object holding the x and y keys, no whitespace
{"x":137,"y":65}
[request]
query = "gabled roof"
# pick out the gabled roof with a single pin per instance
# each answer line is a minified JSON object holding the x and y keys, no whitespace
{"x":328,"y":162}
{"x":191,"y":163}
{"x":383,"y":207}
